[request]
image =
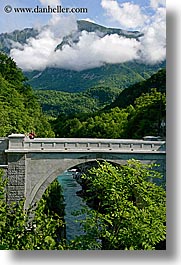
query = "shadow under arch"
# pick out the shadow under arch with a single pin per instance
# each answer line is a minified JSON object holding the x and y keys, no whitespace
{"x":42,"y":185}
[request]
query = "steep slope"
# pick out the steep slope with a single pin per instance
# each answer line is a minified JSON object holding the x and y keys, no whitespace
{"x":92,"y":27}
{"x":128,"y":95}
{"x":101,"y":31}
{"x":116,"y":76}
{"x":144,"y":113}
{"x":7,"y":40}
{"x":20,"y":111}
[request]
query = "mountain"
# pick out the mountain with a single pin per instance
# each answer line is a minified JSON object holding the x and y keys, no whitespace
{"x":93,"y":27}
{"x":101,"y":31}
{"x":139,"y":110}
{"x":128,"y":95}
{"x":7,"y":40}
{"x":109,"y":75}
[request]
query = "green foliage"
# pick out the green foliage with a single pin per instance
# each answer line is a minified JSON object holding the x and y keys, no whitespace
{"x":9,"y":71}
{"x":20,"y":111}
{"x":105,"y":125}
{"x":142,"y":117}
{"x":149,"y":111}
{"x":129,"y":95}
{"x":54,"y":199}
{"x":19,"y":231}
{"x":129,"y":211}
{"x":56,"y":102}
{"x":133,"y":122}
{"x":110,"y":75}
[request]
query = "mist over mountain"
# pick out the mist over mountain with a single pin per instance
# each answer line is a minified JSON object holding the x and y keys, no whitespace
{"x":79,"y":56}
{"x":10,"y":40}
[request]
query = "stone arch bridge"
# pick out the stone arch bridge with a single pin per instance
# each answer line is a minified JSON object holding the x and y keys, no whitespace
{"x":31,"y":165}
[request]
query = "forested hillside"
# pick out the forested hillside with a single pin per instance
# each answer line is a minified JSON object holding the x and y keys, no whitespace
{"x":58,"y":102}
{"x":110,"y":75}
{"x":138,"y":111}
{"x":128,"y":95}
{"x":142,"y":114}
{"x":19,"y":110}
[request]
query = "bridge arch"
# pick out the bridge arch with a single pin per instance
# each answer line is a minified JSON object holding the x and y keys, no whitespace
{"x":41,"y":186}
{"x":31,"y":165}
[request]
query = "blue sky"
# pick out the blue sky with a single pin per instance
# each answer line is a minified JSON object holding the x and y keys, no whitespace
{"x":96,"y":12}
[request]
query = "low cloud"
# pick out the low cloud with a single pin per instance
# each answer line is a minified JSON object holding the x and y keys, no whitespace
{"x":89,"y":49}
{"x":157,"y":3}
{"x":93,"y":51}
{"x":38,"y":52}
{"x":129,"y":15}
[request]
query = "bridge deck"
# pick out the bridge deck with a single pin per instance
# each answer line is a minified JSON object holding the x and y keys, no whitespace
{"x":84,"y":145}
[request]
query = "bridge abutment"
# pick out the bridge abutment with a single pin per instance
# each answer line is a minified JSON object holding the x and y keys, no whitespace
{"x":16,"y":177}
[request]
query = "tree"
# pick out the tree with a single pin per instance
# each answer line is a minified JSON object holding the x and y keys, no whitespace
{"x":150,"y":110}
{"x":10,"y":71}
{"x":129,"y":211}
{"x":19,"y":108}
{"x":19,"y":231}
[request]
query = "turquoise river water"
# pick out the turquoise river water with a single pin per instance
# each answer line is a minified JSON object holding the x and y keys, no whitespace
{"x":72,"y":203}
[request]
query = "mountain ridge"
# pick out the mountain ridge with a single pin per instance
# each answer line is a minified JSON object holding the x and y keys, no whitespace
{"x":119,"y":75}
{"x":21,"y":36}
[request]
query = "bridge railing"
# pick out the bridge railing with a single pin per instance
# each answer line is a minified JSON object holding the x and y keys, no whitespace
{"x":24,"y":144}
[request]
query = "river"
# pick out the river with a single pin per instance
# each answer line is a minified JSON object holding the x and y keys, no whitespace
{"x":72,"y":203}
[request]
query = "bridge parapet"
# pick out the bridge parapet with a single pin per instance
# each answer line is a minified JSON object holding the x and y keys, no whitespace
{"x":31,"y":165}
{"x":20,"y":143}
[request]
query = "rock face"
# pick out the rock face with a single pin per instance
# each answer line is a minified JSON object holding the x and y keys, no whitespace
{"x":8,"y":40}
{"x":100,"y":31}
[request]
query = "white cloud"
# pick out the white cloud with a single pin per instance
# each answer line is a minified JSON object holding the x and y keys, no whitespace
{"x":157,"y":3}
{"x":90,"y":50}
{"x":89,"y":20}
{"x":93,"y":51}
{"x":37,"y":53}
{"x":50,"y":2}
{"x":153,"y":44}
{"x":127,"y":14}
